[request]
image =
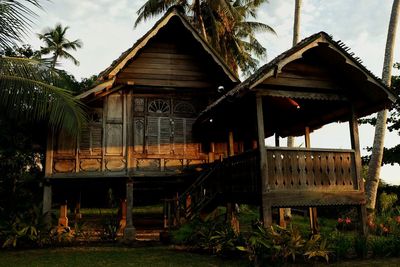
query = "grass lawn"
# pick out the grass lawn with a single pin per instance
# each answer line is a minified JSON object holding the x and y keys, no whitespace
{"x":143,"y":256}
{"x":110,"y":256}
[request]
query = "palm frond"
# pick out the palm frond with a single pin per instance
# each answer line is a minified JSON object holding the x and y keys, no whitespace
{"x":153,"y":8}
{"x":28,"y":89}
{"x":16,"y":17}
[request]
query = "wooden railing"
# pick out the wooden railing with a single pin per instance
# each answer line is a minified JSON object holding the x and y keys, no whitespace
{"x":242,"y":173}
{"x":237,"y":174}
{"x":311,"y":169}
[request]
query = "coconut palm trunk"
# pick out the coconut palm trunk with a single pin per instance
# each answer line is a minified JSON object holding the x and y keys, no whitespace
{"x":296,"y":39}
{"x":375,"y":163}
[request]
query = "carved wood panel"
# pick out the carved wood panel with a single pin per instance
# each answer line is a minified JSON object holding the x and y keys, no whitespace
{"x":64,"y":165}
{"x":114,"y":107}
{"x":90,"y":165}
{"x":114,"y":140}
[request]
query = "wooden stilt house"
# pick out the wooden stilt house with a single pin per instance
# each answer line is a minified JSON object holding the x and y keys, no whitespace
{"x":169,"y":115}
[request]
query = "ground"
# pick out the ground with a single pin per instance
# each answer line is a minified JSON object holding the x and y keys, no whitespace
{"x":155,"y":256}
{"x":158,"y":256}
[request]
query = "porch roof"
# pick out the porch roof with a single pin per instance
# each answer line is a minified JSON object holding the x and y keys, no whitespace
{"x":318,"y":69}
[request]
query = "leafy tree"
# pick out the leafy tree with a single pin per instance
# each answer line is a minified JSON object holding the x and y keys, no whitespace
{"x":224,"y":24}
{"x":25,"y":51}
{"x":390,"y":155}
{"x":58,"y":45}
{"x":28,"y":89}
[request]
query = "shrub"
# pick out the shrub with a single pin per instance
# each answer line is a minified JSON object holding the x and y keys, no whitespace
{"x":278,"y":245}
{"x":381,"y":246}
{"x":341,"y":244}
{"x":213,"y":235}
{"x":361,"y":246}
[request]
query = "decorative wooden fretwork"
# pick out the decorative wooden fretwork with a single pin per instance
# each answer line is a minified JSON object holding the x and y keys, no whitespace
{"x":184,"y":107}
{"x":159,"y":106}
{"x":139,"y":104}
{"x":311,"y":169}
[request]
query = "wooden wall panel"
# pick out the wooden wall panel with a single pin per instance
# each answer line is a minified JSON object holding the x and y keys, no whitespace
{"x":114,"y":140}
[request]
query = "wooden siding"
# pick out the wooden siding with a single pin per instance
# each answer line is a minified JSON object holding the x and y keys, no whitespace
{"x":132,"y":134}
{"x":305,"y":75}
{"x":172,"y":63}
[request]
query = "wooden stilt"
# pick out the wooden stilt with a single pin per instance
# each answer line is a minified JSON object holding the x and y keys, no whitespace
{"x":282,"y":222}
{"x":362,"y":218}
{"x":129,"y":231}
{"x":47,"y":199}
{"x":314,"y":226}
{"x":266,"y":204}
{"x":63,"y":219}
{"x":122,"y":222}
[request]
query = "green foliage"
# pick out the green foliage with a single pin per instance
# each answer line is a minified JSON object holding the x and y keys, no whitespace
{"x":277,"y":245}
{"x":361,"y":246}
{"x":387,"y":201}
{"x":28,"y":89}
{"x":390,"y":155}
{"x":381,"y":246}
{"x":15,"y":20}
{"x":316,"y":248}
{"x":58,"y":45}
{"x":110,"y":227}
{"x":341,"y":244}
{"x":213,"y":235}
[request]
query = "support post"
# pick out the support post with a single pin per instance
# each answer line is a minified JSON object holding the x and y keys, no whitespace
{"x":266,"y":203}
{"x":282,"y":211}
{"x":211,"y":154}
{"x":231,"y":149}
{"x":355,"y":145}
{"x":129,"y":231}
{"x":77,"y":211}
{"x":63,"y":219}
{"x":122,"y":222}
{"x":47,"y":201}
{"x":314,"y":226}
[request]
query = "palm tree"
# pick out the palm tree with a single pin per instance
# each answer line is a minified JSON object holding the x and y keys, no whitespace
{"x":223,"y":24}
{"x":296,"y":39}
{"x":28,"y":89}
{"x":375,"y":162}
{"x":57,"y":44}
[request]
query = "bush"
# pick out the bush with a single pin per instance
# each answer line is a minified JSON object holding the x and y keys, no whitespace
{"x":341,"y":244}
{"x":213,"y":235}
{"x":278,"y":245}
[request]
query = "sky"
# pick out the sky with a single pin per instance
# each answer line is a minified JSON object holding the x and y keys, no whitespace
{"x":106,"y":28}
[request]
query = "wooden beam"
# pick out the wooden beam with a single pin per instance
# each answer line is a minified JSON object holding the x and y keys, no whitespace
{"x":303,"y":83}
{"x":307,"y":198}
{"x":266,"y":205}
{"x":334,"y":95}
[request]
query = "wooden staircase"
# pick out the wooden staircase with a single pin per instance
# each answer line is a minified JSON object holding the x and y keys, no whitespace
{"x":235,"y":179}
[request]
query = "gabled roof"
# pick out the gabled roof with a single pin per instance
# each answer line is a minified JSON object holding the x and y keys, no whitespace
{"x":107,"y":77}
{"x":119,"y":63}
{"x":275,"y":66}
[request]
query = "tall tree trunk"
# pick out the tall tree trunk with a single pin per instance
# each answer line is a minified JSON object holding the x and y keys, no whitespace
{"x":296,"y":26}
{"x":377,"y":150}
{"x":296,"y":39}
